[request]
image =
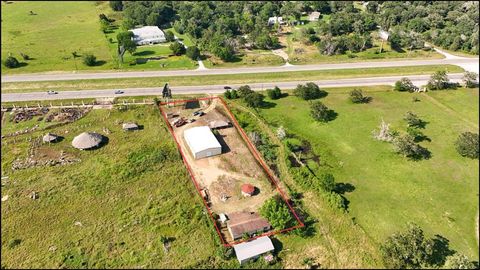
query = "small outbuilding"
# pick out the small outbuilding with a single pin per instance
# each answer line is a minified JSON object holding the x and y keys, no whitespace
{"x":202,"y":142}
{"x":247,"y":190}
{"x":129,"y":126}
{"x":87,"y":140}
{"x":218,"y":124}
{"x":246,"y":222}
{"x":50,"y":138}
{"x":274,"y":20}
{"x":253,"y":249}
{"x":314,"y":16}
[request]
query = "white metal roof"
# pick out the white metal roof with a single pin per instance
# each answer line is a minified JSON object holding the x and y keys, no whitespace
{"x":200,"y":138}
{"x":147,"y":31}
{"x":253,"y":248}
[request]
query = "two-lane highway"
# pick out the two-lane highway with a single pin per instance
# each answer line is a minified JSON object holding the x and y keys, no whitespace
{"x":214,"y":89}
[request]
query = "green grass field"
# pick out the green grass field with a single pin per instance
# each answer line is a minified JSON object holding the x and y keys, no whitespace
{"x":50,"y":36}
{"x":440,"y":194}
{"x":246,"y":59}
{"x":224,"y":79}
{"x":126,"y":195}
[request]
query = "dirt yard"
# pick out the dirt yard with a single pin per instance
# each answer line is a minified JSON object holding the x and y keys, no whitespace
{"x":223,"y":175}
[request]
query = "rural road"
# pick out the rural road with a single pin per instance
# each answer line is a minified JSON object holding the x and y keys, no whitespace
{"x":470,"y":64}
{"x":201,"y":89}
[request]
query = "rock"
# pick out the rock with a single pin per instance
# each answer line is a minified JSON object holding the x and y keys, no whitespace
{"x":33,"y":195}
{"x":4,"y":198}
{"x":78,"y":223}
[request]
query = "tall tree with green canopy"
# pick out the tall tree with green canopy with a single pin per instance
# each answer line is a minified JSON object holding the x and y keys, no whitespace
{"x":125,"y":43}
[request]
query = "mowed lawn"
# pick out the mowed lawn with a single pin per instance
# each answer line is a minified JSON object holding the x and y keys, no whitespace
{"x":439,"y":194}
{"x":111,"y":209}
{"x":50,"y":36}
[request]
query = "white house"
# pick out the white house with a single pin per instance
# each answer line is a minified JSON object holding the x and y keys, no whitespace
{"x":253,"y":249}
{"x":148,"y":35}
{"x":314,"y":16}
{"x":274,"y":20}
{"x":202,"y":142}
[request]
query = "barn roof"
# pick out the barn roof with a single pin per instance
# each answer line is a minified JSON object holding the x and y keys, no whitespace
{"x":200,"y":138}
{"x":253,"y":248}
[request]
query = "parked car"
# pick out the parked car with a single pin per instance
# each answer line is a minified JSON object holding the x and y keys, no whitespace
{"x":227,"y":87}
{"x":118,"y":92}
{"x":196,"y":113}
{"x":51,"y":92}
{"x":201,"y":113}
{"x":179,"y":122}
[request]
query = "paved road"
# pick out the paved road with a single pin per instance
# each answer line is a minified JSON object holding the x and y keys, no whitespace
{"x":214,"y":89}
{"x":464,"y":62}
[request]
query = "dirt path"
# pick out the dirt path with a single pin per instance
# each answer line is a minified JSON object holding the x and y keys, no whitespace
{"x":281,"y":53}
{"x":449,"y":110}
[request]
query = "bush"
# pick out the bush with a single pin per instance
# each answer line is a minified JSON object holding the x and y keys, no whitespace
{"x":276,"y":211}
{"x":89,"y":60}
{"x":227,"y":94}
{"x":320,"y":112}
{"x":254,"y":99}
{"x":404,"y":84}
{"x":244,"y":90}
{"x":274,"y":93}
{"x":467,"y":145}
{"x":470,"y":79}
{"x":193,"y":52}
{"x":458,"y":261}
{"x":406,"y":146}
{"x":309,"y":91}
{"x":326,"y":182}
{"x":25,"y":56}
{"x":234,"y":94}
{"x":169,"y":36}
{"x":11,"y":62}
{"x":439,"y":81}
{"x":336,"y":201}
{"x":413,"y":120}
{"x":356,"y":96}
{"x":177,"y":48}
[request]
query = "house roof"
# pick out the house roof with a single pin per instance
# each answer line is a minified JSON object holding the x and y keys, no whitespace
{"x":200,"y":138}
{"x":314,"y":15}
{"x":218,"y":124}
{"x":87,"y":140}
{"x":247,"y":188}
{"x":253,"y":248}
{"x":245,"y":222}
{"x":147,"y":31}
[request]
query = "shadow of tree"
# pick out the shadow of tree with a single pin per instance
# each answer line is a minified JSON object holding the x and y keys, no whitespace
{"x":440,"y":250}
{"x":342,"y":188}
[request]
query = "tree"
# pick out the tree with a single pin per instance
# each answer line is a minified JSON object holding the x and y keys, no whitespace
{"x":11,"y":62}
{"x":467,"y":145}
{"x":404,"y":84}
{"x":458,"y":261}
{"x":356,"y":96}
{"x":193,"y":52}
{"x":227,"y":94}
{"x":384,"y":134}
{"x":470,"y":79}
{"x":254,"y":99}
{"x":169,"y":36}
{"x":244,"y":90}
{"x":274,"y":93}
{"x":89,"y":59}
{"x":128,"y":24}
{"x":320,"y":112}
{"x":309,"y":91}
{"x":406,"y":146}
{"x":125,"y":43}
{"x":177,"y":48}
{"x":413,"y":120}
{"x":326,"y":182}
{"x":395,"y":41}
{"x":438,"y":81}
{"x":116,"y":5}
{"x":410,"y":249}
{"x":104,"y":25}
{"x":277,"y":213}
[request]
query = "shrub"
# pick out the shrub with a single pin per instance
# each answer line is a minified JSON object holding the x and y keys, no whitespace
{"x":11,"y":62}
{"x":244,"y":90}
{"x":404,"y":84}
{"x":458,"y":261}
{"x":254,"y":99}
{"x":309,"y":91}
{"x":169,"y":36}
{"x":274,"y":93}
{"x":276,"y":211}
{"x":25,"y":56}
{"x":406,"y":146}
{"x":467,"y":145}
{"x":413,"y":120}
{"x":335,"y":200}
{"x":356,"y":96}
{"x":193,"y":52}
{"x":177,"y":48}
{"x":234,"y":94}
{"x":227,"y":94}
{"x":320,"y":112}
{"x":89,"y":60}
{"x":470,"y":79}
{"x":438,"y":81}
{"x":326,"y":182}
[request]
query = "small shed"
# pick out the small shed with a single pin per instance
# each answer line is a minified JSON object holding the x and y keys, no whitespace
{"x":253,"y":249}
{"x":87,"y":140}
{"x":202,"y":142}
{"x":246,"y":222}
{"x":274,"y":20}
{"x":218,"y":124}
{"x":49,"y":138}
{"x":247,"y":190}
{"x":129,"y":126}
{"x":314,"y":16}
{"x":222,"y":217}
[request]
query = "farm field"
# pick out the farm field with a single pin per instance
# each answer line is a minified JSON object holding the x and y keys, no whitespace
{"x":18,"y":87}
{"x":51,"y":35}
{"x":439,"y":194}
{"x":112,"y":208}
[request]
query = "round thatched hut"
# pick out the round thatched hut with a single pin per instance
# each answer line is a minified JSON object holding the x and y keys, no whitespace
{"x":87,"y":140}
{"x":247,"y":190}
{"x":49,"y":138}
